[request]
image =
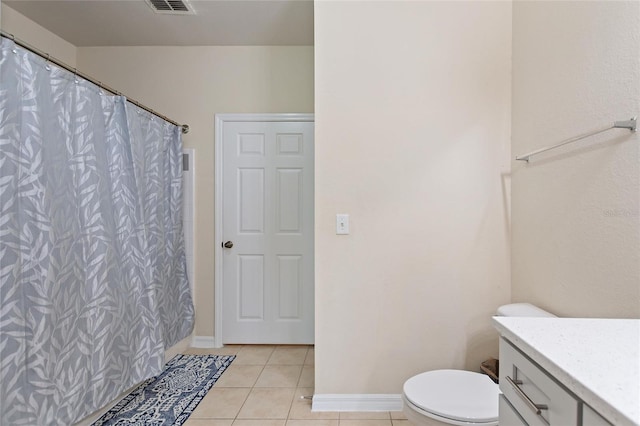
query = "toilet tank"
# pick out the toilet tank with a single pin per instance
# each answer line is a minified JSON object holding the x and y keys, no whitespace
{"x":522,"y":310}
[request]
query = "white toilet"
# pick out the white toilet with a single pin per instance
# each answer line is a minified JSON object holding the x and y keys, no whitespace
{"x":458,"y":397}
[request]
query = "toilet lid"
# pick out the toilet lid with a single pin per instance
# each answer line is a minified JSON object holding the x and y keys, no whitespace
{"x":455,"y":394}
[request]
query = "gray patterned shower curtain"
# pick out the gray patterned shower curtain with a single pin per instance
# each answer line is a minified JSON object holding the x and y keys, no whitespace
{"x":93,"y":283}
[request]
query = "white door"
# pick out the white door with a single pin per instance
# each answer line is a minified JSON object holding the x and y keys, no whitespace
{"x":267,"y":232}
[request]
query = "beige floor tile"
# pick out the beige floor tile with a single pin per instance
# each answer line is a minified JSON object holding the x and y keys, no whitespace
{"x":267,"y":403}
{"x":207,"y":422}
{"x":367,"y":415}
{"x":261,"y":422}
{"x":279,"y":376}
{"x":259,"y":389}
{"x":310,"y":359}
{"x":254,"y":354}
{"x":239,"y":376}
{"x":221,"y":403}
{"x":398,"y":415}
{"x":301,"y":408}
{"x":288,"y":355}
{"x":307,"y":377}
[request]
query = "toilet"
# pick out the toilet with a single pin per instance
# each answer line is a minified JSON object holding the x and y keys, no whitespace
{"x":458,"y":397}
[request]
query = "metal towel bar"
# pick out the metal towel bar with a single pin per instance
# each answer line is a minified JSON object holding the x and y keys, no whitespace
{"x":628,"y":124}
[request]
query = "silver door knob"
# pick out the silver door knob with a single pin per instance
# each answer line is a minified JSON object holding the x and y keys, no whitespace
{"x":228,"y":244}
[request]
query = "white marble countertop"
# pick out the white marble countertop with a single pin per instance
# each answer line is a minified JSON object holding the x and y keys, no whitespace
{"x":596,"y":359}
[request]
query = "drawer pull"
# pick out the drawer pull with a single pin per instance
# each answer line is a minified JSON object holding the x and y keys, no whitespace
{"x":536,"y":408}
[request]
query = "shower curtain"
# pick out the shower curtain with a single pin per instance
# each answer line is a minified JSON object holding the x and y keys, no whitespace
{"x":93,"y":283}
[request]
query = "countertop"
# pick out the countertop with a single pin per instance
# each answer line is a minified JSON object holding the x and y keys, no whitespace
{"x":596,"y":359}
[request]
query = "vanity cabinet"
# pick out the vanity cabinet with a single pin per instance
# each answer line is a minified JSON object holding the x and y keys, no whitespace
{"x":569,"y":371}
{"x":591,"y":418}
{"x":508,"y":415}
{"x":531,"y":396}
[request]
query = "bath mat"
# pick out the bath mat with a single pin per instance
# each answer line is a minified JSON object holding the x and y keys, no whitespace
{"x":170,"y":397}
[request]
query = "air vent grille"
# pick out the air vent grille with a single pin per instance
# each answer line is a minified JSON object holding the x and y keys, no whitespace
{"x":175,"y":7}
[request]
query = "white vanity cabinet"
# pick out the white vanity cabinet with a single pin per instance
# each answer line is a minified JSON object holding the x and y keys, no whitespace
{"x":508,"y":415}
{"x":591,"y":418}
{"x":535,"y":396}
{"x":569,"y":372}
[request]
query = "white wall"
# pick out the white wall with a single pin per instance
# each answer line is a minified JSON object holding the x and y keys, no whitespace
{"x":190,"y":85}
{"x":412,"y":140}
{"x":28,"y":31}
{"x":576,"y":226}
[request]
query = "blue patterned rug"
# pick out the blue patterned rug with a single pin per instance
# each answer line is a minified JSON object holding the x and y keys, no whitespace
{"x":170,"y":397}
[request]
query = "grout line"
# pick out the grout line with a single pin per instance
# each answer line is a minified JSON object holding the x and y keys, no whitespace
{"x":293,"y":401}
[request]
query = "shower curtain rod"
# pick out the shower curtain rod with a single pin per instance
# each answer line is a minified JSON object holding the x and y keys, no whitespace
{"x":49,"y":58}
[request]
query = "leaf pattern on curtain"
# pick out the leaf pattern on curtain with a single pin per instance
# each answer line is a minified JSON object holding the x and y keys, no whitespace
{"x":93,"y":283}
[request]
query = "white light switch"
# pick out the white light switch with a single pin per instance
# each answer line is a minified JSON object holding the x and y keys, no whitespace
{"x":342,"y":224}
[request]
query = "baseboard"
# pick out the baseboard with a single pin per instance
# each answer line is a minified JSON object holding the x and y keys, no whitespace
{"x":357,"y":402}
{"x":206,"y":342}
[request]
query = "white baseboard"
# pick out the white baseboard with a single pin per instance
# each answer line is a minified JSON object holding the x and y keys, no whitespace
{"x":357,"y":402}
{"x":206,"y":342}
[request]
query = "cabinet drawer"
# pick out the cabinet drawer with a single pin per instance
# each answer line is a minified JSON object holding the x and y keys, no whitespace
{"x":533,"y":394}
{"x":508,"y":415}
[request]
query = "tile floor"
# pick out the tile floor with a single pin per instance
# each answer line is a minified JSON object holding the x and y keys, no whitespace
{"x":263,"y":386}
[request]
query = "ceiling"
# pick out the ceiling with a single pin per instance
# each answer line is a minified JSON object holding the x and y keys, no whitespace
{"x":134,"y":23}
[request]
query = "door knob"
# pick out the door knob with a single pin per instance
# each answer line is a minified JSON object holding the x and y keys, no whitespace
{"x":228,"y":244}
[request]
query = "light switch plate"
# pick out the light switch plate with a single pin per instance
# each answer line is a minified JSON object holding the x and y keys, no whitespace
{"x":342,"y":224}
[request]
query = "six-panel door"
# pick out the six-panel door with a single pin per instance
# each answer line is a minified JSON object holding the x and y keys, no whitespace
{"x":268,"y":217}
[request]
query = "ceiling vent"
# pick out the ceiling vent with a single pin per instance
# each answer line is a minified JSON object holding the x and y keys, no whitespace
{"x":171,"y":7}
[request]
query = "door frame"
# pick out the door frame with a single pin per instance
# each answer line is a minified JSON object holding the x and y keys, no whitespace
{"x":220,"y":120}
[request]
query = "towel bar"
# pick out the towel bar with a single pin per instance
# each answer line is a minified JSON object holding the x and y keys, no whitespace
{"x":627,"y":124}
